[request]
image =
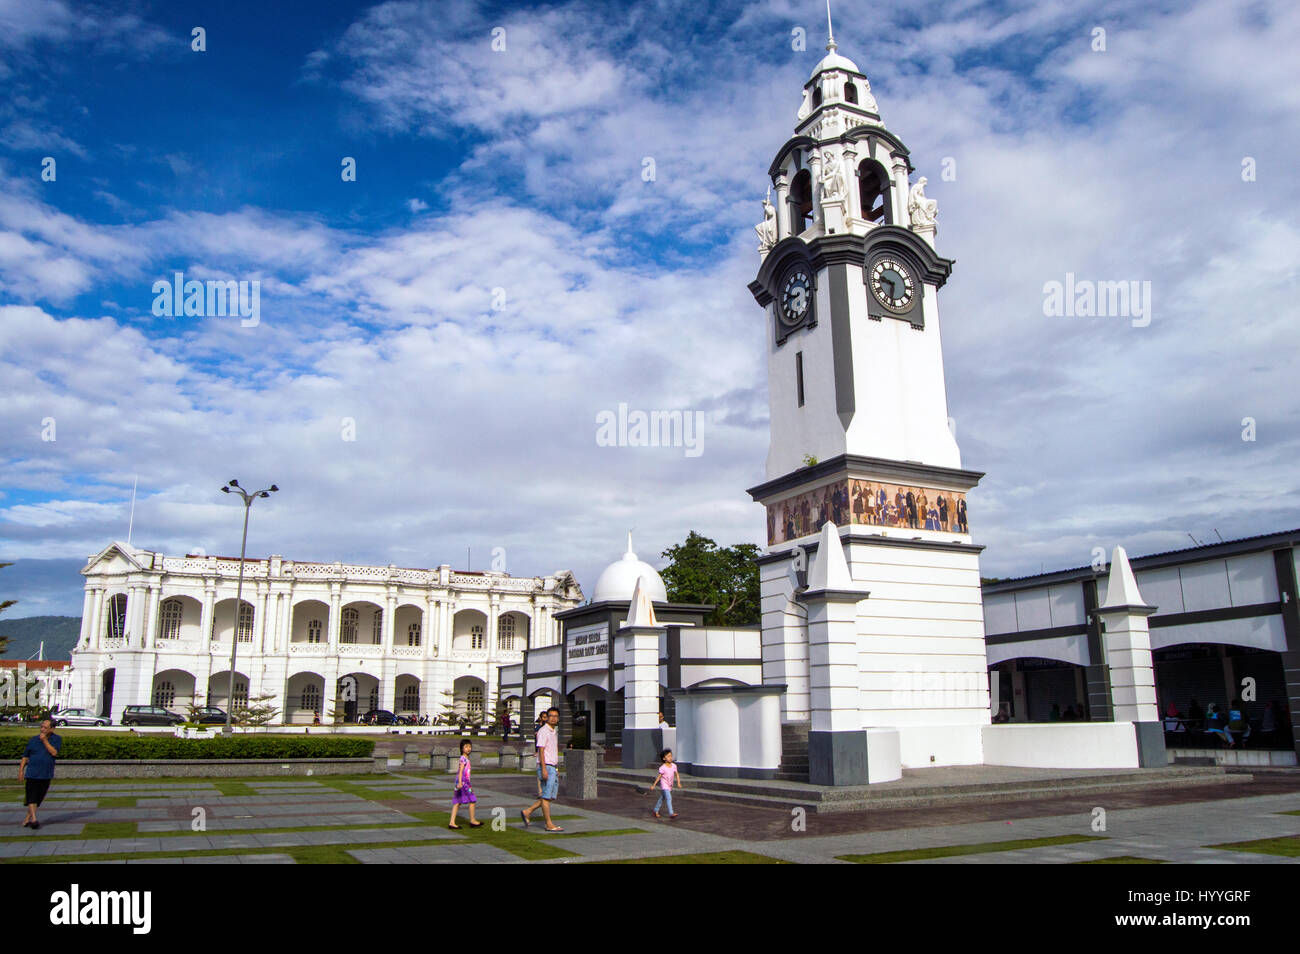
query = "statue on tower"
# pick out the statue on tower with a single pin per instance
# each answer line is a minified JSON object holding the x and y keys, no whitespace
{"x":920,"y":210}
{"x":832,"y":179}
{"x":767,"y":228}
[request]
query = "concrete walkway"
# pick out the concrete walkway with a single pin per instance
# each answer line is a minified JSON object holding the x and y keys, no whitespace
{"x":400,"y":819}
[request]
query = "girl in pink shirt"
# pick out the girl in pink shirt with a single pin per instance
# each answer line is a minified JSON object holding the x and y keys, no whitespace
{"x":664,"y":782}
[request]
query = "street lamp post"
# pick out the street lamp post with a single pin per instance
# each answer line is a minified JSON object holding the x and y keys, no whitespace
{"x":239,"y":589}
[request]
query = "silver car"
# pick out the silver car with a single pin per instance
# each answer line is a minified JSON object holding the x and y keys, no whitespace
{"x":79,"y":717}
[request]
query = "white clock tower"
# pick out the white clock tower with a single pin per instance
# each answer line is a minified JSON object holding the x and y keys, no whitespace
{"x":889,"y":653}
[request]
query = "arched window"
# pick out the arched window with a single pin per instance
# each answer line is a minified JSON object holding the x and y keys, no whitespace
{"x":244,"y":628}
{"x":348,"y":634}
{"x":115,"y":623}
{"x":411,"y":698}
{"x":801,"y":204}
{"x":873,"y":190}
{"x":170,"y":616}
{"x":850,"y":92}
{"x":817,"y":96}
{"x":241,"y":695}
{"x":311,"y":698}
{"x":377,"y":629}
{"x":164,"y":695}
{"x":506,"y":633}
{"x":413,"y":634}
{"x":476,"y":638}
{"x":474,"y":701}
{"x":314,"y":630}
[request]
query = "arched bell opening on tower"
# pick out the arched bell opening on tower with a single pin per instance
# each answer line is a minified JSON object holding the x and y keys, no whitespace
{"x":850,"y":92}
{"x":817,"y":96}
{"x":873,"y":188}
{"x":801,"y":204}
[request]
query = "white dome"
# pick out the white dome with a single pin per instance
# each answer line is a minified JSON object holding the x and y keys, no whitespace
{"x":833,"y":61}
{"x":619,"y":579}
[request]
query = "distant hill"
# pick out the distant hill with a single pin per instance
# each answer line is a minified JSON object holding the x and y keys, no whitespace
{"x":59,"y":632}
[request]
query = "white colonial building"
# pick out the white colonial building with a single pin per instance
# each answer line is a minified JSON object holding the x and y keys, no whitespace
{"x":157,"y":630}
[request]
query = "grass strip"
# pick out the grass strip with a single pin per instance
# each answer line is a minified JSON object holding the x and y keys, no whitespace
{"x":1287,"y":846}
{"x":303,"y":854}
{"x":108,"y":830}
{"x":952,"y":851}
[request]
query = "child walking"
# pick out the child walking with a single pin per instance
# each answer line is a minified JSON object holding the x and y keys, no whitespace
{"x":464,"y":794}
{"x":664,"y":782}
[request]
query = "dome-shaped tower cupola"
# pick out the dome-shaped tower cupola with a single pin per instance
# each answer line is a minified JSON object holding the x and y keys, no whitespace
{"x":843,"y":172}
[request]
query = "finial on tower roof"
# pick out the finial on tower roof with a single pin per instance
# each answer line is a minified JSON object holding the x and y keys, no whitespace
{"x":830,"y":31}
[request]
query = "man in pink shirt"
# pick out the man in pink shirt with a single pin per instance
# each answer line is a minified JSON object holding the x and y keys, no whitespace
{"x":548,"y":770}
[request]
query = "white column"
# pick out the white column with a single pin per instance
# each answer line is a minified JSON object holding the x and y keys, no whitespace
{"x":285,"y":632}
{"x":135,"y":607}
{"x":153,"y":597}
{"x":782,"y":206}
{"x":854,"y":186}
{"x":445,"y":622}
{"x":900,"y":192}
{"x":260,"y":606}
{"x":87,"y":617}
{"x":205,"y":620}
{"x":97,"y":622}
{"x":426,"y":635}
{"x":1127,"y":643}
{"x":332,"y":630}
{"x":815,"y":175}
{"x":390,"y":623}
{"x":837,"y":742}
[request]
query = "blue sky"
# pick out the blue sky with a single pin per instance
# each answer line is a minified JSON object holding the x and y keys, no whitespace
{"x":520,"y":172}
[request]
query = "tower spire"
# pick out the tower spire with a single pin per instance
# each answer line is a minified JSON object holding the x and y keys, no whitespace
{"x":830,"y":31}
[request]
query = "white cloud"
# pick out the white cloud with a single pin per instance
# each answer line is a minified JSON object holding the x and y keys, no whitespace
{"x":476,"y":425}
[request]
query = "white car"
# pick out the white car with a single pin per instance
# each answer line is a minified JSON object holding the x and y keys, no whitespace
{"x":78,"y":717}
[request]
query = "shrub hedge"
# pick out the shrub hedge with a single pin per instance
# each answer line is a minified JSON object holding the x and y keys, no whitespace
{"x":81,"y":747}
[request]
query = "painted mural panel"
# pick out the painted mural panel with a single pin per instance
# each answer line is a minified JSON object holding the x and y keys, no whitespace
{"x":867,"y":503}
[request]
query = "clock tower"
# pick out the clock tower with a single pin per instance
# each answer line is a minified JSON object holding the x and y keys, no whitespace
{"x":849,"y":279}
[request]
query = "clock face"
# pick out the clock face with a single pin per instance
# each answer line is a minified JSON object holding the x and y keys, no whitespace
{"x":892,"y":284}
{"x":796,"y":296}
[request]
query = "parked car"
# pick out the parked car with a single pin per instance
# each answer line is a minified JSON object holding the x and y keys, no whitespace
{"x":150,"y":715}
{"x":79,"y":717}
{"x":383,"y":717}
{"x":209,"y":715}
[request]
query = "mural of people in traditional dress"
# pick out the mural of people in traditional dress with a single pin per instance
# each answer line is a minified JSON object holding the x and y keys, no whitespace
{"x":866,"y":503}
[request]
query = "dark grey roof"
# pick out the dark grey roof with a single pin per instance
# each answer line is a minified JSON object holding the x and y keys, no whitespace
{"x":1226,"y":548}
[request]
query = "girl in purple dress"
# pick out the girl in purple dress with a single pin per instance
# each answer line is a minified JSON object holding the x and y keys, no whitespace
{"x":464,"y":794}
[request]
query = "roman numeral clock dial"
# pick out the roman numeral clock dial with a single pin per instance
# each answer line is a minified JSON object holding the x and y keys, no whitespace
{"x":796,"y":297}
{"x":891,"y":283}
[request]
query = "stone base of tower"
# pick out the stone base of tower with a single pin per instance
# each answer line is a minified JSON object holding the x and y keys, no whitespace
{"x":921,"y":659}
{"x":838,"y":758}
{"x":641,"y":747}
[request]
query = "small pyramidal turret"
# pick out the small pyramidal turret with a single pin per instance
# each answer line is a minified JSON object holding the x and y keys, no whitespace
{"x":1121,"y":587}
{"x":642,"y":610}
{"x":830,"y":570}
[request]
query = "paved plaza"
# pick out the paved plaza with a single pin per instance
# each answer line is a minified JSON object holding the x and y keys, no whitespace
{"x":401,"y":818}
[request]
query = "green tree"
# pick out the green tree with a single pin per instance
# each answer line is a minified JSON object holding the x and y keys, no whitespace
{"x":257,"y":711}
{"x":700,"y":571}
{"x":4,"y":605}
